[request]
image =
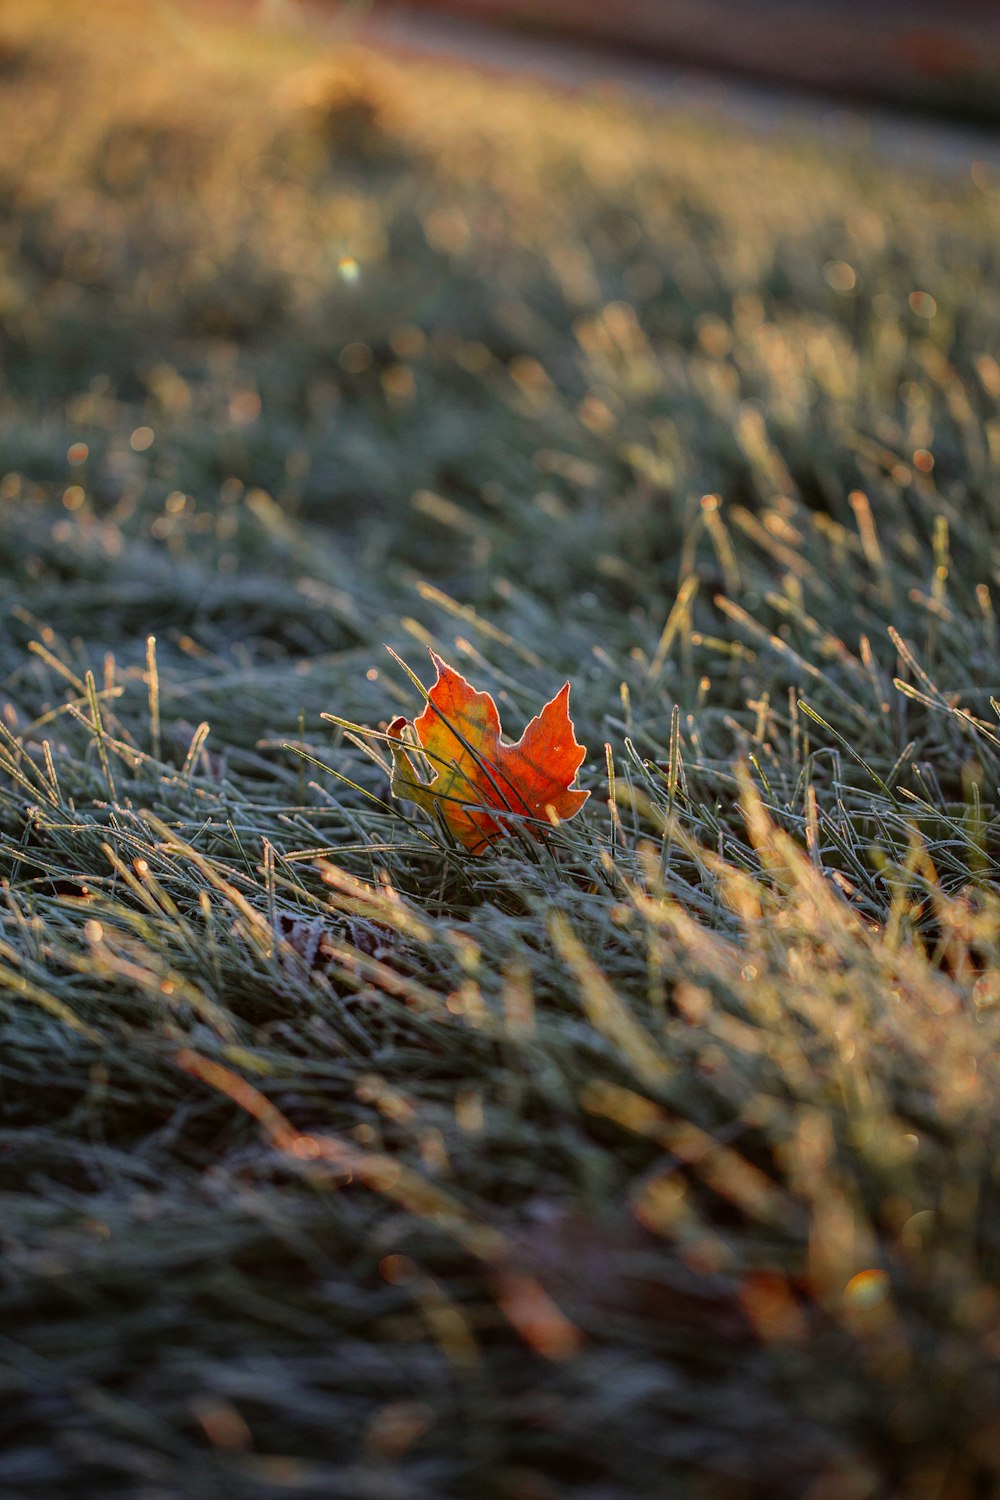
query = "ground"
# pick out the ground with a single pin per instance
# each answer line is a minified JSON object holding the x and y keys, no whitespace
{"x":651,"y":1155}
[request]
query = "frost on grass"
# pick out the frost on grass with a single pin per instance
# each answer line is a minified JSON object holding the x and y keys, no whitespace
{"x":656,"y":1152}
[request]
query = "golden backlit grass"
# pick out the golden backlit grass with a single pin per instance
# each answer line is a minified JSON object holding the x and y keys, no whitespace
{"x":660,"y":1158}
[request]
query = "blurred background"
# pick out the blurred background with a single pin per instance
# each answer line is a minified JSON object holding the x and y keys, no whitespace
{"x":914,"y":53}
{"x":295,"y":259}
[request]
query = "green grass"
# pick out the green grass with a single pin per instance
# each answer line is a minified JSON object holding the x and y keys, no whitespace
{"x":659,"y":1158}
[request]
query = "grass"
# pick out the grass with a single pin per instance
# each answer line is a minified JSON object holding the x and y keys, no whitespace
{"x":659,"y":1157}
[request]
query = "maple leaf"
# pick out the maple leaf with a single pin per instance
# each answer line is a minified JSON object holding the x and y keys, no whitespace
{"x":476,"y":774}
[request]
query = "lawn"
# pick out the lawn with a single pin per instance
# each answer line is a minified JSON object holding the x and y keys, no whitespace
{"x":653,"y":1155}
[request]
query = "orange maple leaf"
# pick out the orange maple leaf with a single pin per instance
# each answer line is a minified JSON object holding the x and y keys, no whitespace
{"x":476,"y":774}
